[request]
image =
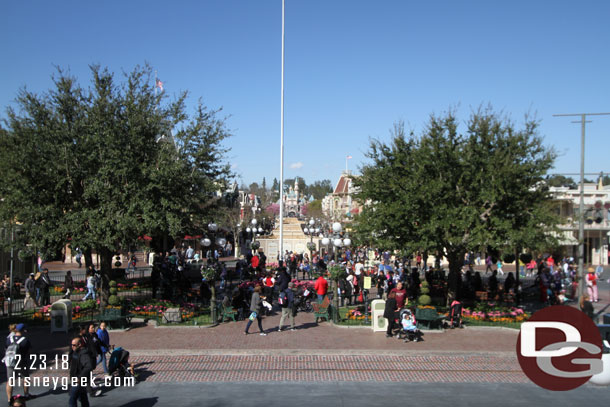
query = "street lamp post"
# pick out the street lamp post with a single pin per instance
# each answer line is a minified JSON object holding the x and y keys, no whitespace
{"x":211,"y":243}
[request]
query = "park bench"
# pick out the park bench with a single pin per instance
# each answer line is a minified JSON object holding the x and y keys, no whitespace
{"x":115,"y":317}
{"x":428,"y":318}
{"x":227,"y":313}
{"x":320,"y":309}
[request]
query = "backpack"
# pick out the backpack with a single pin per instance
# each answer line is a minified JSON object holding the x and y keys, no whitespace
{"x":10,"y":359}
{"x":283,"y":299}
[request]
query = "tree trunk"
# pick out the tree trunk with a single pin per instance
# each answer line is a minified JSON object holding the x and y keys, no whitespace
{"x":456,"y":260}
{"x":213,"y":302}
{"x":88,"y":258}
{"x":335,"y":315}
{"x":517,"y":276}
{"x":105,"y":271}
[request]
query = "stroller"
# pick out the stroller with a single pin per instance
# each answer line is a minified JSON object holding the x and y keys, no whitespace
{"x":304,"y":300}
{"x":119,"y":362}
{"x":455,"y":315}
{"x":408,"y":327}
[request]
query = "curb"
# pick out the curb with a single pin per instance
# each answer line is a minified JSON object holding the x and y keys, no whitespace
{"x":315,"y":352}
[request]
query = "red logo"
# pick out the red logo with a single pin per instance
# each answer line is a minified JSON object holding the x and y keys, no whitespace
{"x":560,"y":348}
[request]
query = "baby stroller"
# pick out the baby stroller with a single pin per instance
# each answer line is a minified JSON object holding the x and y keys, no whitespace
{"x":119,"y":362}
{"x":408,"y":327}
{"x":455,"y":315}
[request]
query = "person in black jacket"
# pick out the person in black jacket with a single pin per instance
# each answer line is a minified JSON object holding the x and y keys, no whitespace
{"x":44,"y":283}
{"x":390,"y":313}
{"x":91,"y":344}
{"x":80,"y":366}
{"x":283,"y":278}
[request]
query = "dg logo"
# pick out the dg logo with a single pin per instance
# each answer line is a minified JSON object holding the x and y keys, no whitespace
{"x":560,"y":348}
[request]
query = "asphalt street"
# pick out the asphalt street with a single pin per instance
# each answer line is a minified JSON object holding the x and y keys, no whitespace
{"x":296,"y":394}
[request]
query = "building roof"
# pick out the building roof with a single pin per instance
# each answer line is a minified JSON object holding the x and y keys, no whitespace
{"x":342,"y":185}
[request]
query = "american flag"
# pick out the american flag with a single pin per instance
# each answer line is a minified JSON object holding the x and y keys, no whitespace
{"x":349,"y":157}
{"x":158,"y":83}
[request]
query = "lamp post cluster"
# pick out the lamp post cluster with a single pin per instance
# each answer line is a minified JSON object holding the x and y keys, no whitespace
{"x":338,"y":240}
{"x":212,"y":238}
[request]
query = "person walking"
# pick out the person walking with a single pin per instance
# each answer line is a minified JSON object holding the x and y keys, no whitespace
{"x":488,"y":264}
{"x":92,"y":344}
{"x":44,"y":283}
{"x":17,"y":344}
{"x":256,"y":308}
{"x":68,"y":284}
{"x":80,"y":369}
{"x":104,"y":338}
{"x":287,"y":303}
{"x":90,"y":287}
{"x":30,"y":293}
{"x":499,"y":267}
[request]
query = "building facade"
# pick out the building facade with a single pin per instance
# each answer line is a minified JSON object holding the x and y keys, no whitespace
{"x":340,"y":205}
{"x":596,"y":218}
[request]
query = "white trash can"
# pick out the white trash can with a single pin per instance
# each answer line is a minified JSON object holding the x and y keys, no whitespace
{"x":61,"y":316}
{"x":379,"y":322}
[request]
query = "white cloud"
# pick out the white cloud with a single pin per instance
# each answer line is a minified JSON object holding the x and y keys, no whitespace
{"x":296,"y":166}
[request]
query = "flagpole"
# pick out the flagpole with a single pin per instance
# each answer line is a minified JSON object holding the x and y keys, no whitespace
{"x":155,"y":82}
{"x":346,"y":164}
{"x":281,"y":254}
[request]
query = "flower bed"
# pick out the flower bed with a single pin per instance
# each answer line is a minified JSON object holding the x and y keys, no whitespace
{"x":495,"y":314}
{"x":156,"y":309}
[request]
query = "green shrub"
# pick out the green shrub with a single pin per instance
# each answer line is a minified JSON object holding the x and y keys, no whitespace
{"x":112,"y":283}
{"x":113,"y":291}
{"x":114,"y":300}
{"x":424,"y":299}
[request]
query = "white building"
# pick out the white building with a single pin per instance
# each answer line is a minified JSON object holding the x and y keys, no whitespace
{"x":596,"y":218}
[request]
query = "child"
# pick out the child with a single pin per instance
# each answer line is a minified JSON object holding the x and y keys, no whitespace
{"x":409,"y":325}
{"x":499,"y":265}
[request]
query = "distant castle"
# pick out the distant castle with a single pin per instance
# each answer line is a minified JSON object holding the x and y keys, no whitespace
{"x":293,"y":201}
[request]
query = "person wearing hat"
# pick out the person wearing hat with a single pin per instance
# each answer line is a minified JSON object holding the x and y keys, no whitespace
{"x":591,"y":280}
{"x":30,"y":293}
{"x":21,"y":369}
{"x":287,"y":304}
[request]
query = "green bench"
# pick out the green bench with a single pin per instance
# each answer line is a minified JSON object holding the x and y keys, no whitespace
{"x":227,"y":313}
{"x":115,"y":317}
{"x":428,"y":318}
{"x":320,"y":309}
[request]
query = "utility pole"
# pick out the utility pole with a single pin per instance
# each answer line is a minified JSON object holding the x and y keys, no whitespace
{"x":281,"y":254}
{"x":581,"y":224}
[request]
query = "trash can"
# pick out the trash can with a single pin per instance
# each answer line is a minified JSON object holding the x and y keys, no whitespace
{"x":379,"y":322}
{"x":61,"y":316}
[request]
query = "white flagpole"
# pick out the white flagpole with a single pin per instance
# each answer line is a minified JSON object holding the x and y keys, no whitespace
{"x":281,"y":254}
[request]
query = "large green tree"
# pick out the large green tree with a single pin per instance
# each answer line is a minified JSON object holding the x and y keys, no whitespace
{"x":99,"y":167}
{"x":449,"y":193}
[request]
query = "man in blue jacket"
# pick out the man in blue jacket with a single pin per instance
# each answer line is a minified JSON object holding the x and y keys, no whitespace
{"x":102,"y":334}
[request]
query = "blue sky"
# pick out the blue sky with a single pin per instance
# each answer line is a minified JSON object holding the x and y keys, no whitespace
{"x":352,"y":69}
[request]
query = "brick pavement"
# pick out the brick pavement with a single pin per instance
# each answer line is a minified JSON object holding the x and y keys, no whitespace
{"x":312,"y":353}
